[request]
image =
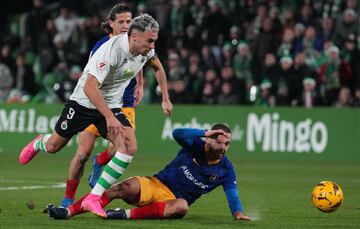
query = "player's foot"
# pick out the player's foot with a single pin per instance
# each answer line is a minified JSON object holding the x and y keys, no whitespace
{"x":92,"y":203}
{"x":66,"y":202}
{"x":95,"y":172}
{"x":29,"y":152}
{"x":57,"y":213}
{"x":116,"y":214}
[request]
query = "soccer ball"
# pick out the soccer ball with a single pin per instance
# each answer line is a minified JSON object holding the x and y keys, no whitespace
{"x":327,"y":196}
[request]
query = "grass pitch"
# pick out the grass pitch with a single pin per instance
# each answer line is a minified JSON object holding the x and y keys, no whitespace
{"x":275,"y":190}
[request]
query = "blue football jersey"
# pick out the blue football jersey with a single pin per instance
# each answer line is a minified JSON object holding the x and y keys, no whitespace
{"x":189,"y":175}
{"x":128,"y":96}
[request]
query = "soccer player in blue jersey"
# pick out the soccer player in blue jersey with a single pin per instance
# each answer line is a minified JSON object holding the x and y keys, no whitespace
{"x":118,"y":22}
{"x":199,"y":167}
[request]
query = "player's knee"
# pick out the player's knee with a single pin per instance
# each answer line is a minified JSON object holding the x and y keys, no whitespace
{"x":111,"y":149}
{"x":55,"y":142}
{"x":82,"y":158}
{"x":130,"y":191}
{"x":84,"y":151}
{"x":131,"y":149}
{"x":176,"y":209}
{"x":121,"y":190}
{"x":115,"y":191}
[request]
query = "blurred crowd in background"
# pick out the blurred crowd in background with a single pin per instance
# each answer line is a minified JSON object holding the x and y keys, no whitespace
{"x":264,"y":53}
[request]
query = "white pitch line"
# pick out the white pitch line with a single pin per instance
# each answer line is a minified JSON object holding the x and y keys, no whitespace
{"x":56,"y":185}
{"x":19,"y":181}
{"x":6,"y":180}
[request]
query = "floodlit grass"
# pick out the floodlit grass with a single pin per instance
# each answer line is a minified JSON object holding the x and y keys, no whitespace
{"x":275,"y":191}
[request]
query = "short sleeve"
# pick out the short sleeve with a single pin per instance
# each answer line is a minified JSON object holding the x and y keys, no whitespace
{"x":151,"y":54}
{"x":103,"y":61}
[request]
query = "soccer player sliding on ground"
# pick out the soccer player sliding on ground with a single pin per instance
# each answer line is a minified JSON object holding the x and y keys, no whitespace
{"x":199,"y":167}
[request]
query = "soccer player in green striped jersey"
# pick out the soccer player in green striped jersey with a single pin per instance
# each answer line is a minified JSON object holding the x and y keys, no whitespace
{"x":95,"y":100}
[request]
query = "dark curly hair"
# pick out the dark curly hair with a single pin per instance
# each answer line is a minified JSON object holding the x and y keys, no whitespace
{"x":220,"y":126}
{"x":117,"y":9}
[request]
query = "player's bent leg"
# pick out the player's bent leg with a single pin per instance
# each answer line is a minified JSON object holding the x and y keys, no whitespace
{"x":155,"y":210}
{"x":77,"y":165}
{"x":83,"y":152}
{"x":111,"y":173}
{"x":125,"y":143}
{"x":154,"y":201}
{"x":127,"y":190}
{"x":55,"y":143}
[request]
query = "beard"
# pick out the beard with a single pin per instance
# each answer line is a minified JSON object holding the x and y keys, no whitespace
{"x":216,"y":153}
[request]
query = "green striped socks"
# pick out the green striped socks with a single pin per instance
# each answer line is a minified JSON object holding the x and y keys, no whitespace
{"x":41,"y":142}
{"x":112,"y":172}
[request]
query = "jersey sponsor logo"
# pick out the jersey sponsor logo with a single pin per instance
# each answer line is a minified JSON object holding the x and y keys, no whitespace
{"x":128,"y":74}
{"x":101,"y":66}
{"x":213,"y":178}
{"x":191,"y":178}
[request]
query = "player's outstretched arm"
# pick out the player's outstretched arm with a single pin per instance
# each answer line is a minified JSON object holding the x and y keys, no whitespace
{"x":233,"y":199}
{"x":186,"y":136}
{"x":161,"y":79}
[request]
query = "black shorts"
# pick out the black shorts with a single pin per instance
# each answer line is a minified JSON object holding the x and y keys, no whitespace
{"x":75,"y":118}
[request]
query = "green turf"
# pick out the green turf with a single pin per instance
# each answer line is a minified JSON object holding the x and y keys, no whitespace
{"x":275,"y":191}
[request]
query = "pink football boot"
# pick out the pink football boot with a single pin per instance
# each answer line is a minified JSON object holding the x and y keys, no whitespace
{"x":29,"y":152}
{"x":92,"y":203}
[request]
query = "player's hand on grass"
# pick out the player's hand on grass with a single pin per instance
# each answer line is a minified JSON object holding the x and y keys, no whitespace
{"x":167,"y":107}
{"x":241,"y":216}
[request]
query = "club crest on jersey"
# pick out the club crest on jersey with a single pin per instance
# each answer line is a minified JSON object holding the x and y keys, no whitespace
{"x":64,"y":125}
{"x":213,"y":178}
{"x":128,"y":74}
{"x":101,"y":66}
